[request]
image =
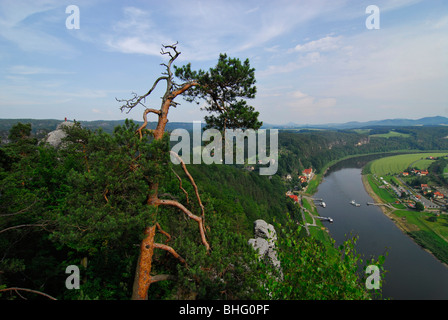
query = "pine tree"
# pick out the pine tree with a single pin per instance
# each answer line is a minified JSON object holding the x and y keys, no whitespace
{"x":221,"y":86}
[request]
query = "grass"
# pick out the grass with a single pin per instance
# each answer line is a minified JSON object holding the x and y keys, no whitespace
{"x":313,"y":184}
{"x":399,"y":163}
{"x":422,"y":164}
{"x":432,"y":235}
{"x":445,"y":170}
{"x":391,"y":134}
{"x":318,"y":231}
{"x":362,"y":131}
{"x":383,"y":193}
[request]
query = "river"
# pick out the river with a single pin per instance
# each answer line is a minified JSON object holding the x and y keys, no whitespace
{"x":412,"y":273}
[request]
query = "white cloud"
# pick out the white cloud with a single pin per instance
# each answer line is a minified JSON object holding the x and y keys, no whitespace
{"x":303,"y":61}
{"x":327,"y":43}
{"x":28,"y":25}
{"x":134,"y":45}
{"x":299,"y":94}
{"x":136,"y":33}
{"x":303,"y":104}
{"x":368,"y":72}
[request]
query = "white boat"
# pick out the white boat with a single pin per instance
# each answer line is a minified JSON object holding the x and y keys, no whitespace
{"x":323,"y":204}
{"x":355,"y":204}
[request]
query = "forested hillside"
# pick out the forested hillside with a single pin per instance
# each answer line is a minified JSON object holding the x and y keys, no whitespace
{"x":312,"y":148}
{"x":85,"y":205}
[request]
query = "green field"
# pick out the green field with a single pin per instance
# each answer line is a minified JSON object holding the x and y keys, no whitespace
{"x":391,"y":134}
{"x":431,"y":234}
{"x":384,"y":194}
{"x":445,"y":170}
{"x":399,"y":163}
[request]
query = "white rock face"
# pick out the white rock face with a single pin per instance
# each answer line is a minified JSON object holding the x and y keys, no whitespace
{"x":54,"y":138}
{"x":264,"y":230}
{"x":264,"y":242}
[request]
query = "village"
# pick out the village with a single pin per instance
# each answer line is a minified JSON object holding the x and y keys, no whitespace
{"x":431,"y":197}
{"x":300,"y":184}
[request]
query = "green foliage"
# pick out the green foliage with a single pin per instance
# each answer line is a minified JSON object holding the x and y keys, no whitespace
{"x":227,"y":272}
{"x":419,"y":206}
{"x":20,"y":131}
{"x":238,"y":116}
{"x":105,"y":189}
{"x":90,"y":196}
{"x":223,"y":87}
{"x":313,"y":270}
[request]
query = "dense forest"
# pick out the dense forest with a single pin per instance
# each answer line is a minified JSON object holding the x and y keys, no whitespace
{"x":316,"y":148}
{"x":84,"y":205}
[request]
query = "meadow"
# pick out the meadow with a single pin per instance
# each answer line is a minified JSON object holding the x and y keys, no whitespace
{"x":399,"y":163}
{"x":391,"y":134}
{"x":427,"y":230}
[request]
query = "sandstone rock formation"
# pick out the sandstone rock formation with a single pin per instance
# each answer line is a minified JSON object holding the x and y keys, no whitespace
{"x":264,"y":242}
{"x":54,"y":138}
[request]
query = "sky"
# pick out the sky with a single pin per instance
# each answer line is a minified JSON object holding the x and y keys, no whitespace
{"x":316,"y":61}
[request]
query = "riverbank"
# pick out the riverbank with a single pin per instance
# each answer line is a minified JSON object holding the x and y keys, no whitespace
{"x":386,"y":210}
{"x":402,"y":223}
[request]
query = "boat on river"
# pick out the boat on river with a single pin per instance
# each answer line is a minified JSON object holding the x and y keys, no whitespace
{"x":353,"y":202}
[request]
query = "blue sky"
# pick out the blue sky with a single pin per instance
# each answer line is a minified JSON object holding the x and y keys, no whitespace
{"x":315,"y":60}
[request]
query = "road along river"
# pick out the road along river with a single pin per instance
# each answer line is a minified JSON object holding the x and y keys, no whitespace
{"x":412,"y":272}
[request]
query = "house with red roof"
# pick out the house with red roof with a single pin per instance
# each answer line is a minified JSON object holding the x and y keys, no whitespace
{"x":308,"y":173}
{"x":438,"y":195}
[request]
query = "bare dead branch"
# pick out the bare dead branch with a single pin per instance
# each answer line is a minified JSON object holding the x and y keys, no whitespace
{"x":190,"y":215}
{"x":180,"y":184}
{"x":172,"y":47}
{"x":145,"y":118}
{"x":166,"y":194}
{"x":170,"y":250}
{"x":105,"y":195}
{"x":166,"y":234}
{"x":131,"y":103}
{"x":22,"y":226}
{"x":184,"y":167}
{"x":27,"y":290}
{"x":161,"y":277}
{"x":20,"y":211}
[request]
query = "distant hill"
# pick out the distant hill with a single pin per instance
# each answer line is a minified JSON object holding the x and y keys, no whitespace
{"x":42,"y":126}
{"x":107,"y":125}
{"x":427,"y":121}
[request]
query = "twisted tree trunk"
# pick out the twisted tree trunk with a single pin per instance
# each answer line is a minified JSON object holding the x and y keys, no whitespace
{"x":143,"y":278}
